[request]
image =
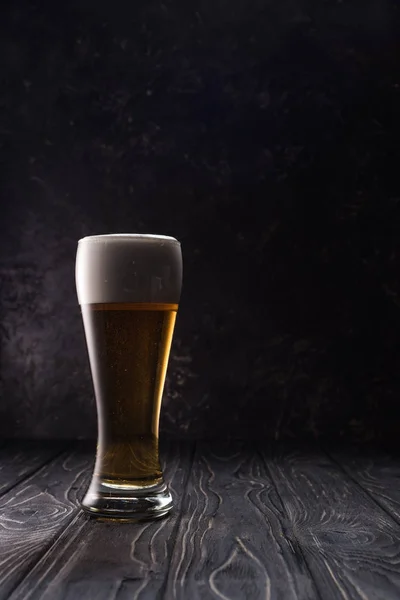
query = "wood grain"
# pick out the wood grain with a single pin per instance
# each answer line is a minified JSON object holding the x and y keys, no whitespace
{"x":35,"y":512}
{"x":273,"y":525}
{"x":103,"y":560}
{"x":230,"y":543}
{"x":377,"y":472}
{"x":352,"y":547}
{"x":19,"y":459}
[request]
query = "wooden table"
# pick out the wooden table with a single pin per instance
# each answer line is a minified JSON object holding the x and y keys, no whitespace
{"x":249,"y":522}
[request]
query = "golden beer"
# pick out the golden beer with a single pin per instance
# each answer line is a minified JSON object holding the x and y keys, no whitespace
{"x":128,"y":287}
{"x":129,"y":347}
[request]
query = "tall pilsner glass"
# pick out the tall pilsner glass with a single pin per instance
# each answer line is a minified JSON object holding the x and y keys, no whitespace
{"x":128,"y":288}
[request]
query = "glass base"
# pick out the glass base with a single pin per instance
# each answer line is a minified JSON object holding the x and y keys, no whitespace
{"x":127,"y":502}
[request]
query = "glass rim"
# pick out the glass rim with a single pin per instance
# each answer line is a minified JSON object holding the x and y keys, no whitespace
{"x":149,"y":237}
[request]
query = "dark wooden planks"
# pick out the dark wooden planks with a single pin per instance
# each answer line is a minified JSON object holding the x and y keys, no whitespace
{"x":352,"y":547}
{"x":20,"y":459}
{"x":284,"y":524}
{"x":35,"y":512}
{"x":230,"y":542}
{"x":376,"y":471}
{"x":103,"y":560}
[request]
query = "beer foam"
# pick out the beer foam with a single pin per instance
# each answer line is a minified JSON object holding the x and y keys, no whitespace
{"x":128,"y":268}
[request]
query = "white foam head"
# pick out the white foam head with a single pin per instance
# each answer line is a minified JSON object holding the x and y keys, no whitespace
{"x":128,"y":268}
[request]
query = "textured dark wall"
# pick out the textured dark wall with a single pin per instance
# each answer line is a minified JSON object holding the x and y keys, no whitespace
{"x":265,"y":136}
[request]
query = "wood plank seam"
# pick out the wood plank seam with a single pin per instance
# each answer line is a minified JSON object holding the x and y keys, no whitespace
{"x":299,"y":548}
{"x":174,"y":534}
{"x":230,"y":540}
{"x":352,"y":547}
{"x":73,"y":525}
{"x":362,"y":488}
{"x":71,"y":522}
{"x":35,"y":472}
{"x":59,"y":567}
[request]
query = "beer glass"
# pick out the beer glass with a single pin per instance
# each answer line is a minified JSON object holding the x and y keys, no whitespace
{"x":128,"y":287}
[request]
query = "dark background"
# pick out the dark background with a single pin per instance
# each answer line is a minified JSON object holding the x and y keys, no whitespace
{"x":262,"y":134}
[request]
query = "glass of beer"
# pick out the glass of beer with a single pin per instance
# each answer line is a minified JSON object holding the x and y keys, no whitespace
{"x":128,"y":287}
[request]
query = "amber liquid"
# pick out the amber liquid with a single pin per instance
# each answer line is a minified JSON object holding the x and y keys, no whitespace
{"x":129,"y":347}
